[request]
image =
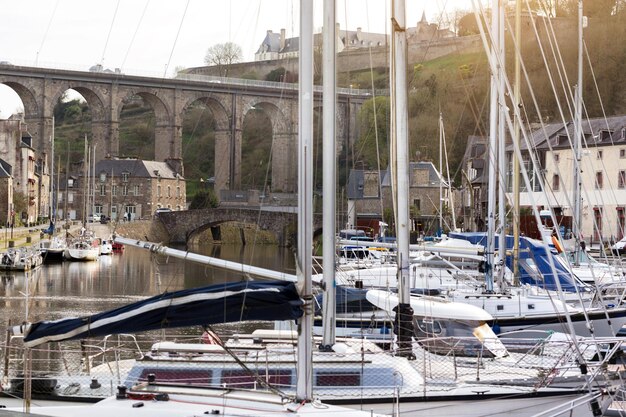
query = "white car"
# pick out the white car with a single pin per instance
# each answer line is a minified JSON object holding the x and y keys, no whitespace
{"x":619,"y":247}
{"x":93,"y":218}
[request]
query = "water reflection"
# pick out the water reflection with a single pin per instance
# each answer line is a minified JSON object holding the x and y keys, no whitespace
{"x":76,"y":288}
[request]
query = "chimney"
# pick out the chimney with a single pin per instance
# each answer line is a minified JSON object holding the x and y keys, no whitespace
{"x":282,"y":39}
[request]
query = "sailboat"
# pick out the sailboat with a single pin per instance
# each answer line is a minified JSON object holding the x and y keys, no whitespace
{"x":197,"y":307}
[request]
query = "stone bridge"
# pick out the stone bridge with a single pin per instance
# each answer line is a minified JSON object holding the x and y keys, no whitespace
{"x":227,"y":99}
{"x":182,"y":226}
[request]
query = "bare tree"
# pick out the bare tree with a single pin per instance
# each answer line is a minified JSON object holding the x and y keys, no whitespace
{"x":222,"y":55}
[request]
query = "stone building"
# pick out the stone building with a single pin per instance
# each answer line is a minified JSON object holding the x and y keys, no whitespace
{"x":137,"y":188}
{"x":31,"y":180}
{"x":367,"y":206}
{"x":131,"y":187}
{"x":603,"y":165}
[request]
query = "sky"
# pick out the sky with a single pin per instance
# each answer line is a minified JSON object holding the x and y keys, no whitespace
{"x":155,"y":37}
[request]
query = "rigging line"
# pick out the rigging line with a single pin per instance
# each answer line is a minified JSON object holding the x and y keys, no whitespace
{"x":45,"y":35}
{"x":132,"y":40}
{"x":182,"y":20}
{"x":106,"y":43}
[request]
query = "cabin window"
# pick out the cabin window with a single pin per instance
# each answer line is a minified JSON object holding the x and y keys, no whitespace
{"x":500,"y":307}
{"x":240,"y":378}
{"x":621,"y":179}
{"x":178,"y":376}
{"x":556,"y":182}
{"x":599,"y":180}
{"x":338,"y":379}
{"x":531,"y":306}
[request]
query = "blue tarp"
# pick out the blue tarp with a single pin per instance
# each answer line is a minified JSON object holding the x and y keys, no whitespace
{"x":534,"y":262}
{"x":223,"y":303}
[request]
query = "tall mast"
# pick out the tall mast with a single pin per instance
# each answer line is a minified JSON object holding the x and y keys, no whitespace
{"x":577,"y":224}
{"x":329,"y":169}
{"x":305,"y":200}
{"x":51,"y":188}
{"x":501,"y":154}
{"x":493,"y":141}
{"x":440,"y":172}
{"x":516,"y":138}
{"x":400,"y":152}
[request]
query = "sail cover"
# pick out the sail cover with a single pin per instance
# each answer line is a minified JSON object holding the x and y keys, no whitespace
{"x":223,"y":303}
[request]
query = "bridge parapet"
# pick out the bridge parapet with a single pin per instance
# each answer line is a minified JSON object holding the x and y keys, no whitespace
{"x":182,"y":226}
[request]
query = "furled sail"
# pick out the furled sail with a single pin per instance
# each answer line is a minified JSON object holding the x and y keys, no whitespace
{"x":223,"y":303}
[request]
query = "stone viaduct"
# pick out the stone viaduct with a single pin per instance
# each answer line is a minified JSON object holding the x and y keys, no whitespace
{"x":228,"y":100}
{"x":182,"y":226}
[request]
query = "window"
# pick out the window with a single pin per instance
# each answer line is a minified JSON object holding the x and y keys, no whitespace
{"x":70,"y":197}
{"x":177,"y":192}
{"x":103,"y":189}
{"x":158,"y":190}
{"x":114,"y":190}
{"x":70,"y":183}
{"x":556,"y":182}
{"x":621,"y":179}
{"x":599,"y":155}
{"x":125,"y":190}
{"x":125,"y":176}
{"x":622,"y":153}
{"x":556,"y":158}
{"x":135,"y":190}
{"x":98,"y":209}
{"x":621,"y":222}
{"x":597,"y":223}
{"x":599,"y":180}
{"x":169,"y":192}
{"x":418,"y":204}
{"x":103,"y":176}
{"x":338,"y":379}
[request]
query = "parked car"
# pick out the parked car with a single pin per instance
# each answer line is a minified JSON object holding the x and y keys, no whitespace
{"x":93,"y":218}
{"x":162,"y":210}
{"x":619,"y":247}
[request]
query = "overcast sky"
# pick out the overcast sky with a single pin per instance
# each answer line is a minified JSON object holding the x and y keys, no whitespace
{"x":153,"y":37}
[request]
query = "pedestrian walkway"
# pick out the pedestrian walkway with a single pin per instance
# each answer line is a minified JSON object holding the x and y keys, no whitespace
{"x":27,"y":236}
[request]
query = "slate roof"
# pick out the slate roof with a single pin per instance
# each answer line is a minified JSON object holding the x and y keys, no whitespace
{"x":5,"y":169}
{"x":136,"y":168}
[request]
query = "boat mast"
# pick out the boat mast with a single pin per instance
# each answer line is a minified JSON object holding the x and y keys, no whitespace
{"x":329,"y":169}
{"x":399,"y":154}
{"x":440,"y":173}
{"x":493,"y":142}
{"x":51,"y":188}
{"x":501,"y":154}
{"x":577,"y":223}
{"x":516,"y":139}
{"x":304,"y":260}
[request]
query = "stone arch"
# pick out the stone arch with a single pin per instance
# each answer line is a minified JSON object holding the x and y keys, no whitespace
{"x":32,"y":109}
{"x":165,"y":145}
{"x":99,"y":119}
{"x":220,"y":130}
{"x":284,"y":146}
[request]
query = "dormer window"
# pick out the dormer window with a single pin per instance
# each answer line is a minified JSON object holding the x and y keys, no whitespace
{"x":562,"y":140}
{"x":605,"y":135}
{"x":70,"y":183}
{"x":125,"y":176}
{"x":103,"y":176}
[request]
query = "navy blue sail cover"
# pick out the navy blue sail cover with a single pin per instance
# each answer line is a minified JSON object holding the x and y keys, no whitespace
{"x":223,"y":303}
{"x":536,"y":261}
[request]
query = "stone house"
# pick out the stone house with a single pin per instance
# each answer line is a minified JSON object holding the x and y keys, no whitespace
{"x":603,"y":165}
{"x":137,"y":188}
{"x":28,"y":169}
{"x":369,"y":196}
